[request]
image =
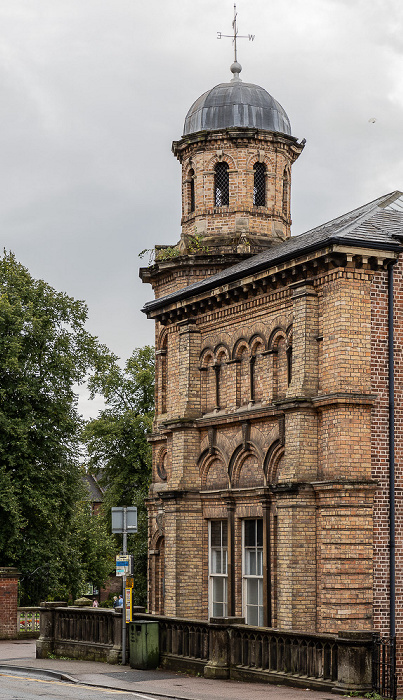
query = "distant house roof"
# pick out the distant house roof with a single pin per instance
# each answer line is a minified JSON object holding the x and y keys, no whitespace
{"x":377,"y":224}
{"x":95,"y":491}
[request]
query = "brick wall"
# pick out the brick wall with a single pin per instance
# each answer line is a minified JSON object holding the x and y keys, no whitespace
{"x":8,"y":602}
{"x":380,"y":452}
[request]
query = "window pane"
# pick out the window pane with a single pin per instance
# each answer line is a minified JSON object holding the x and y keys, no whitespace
{"x":219,"y":533}
{"x":259,"y":185}
{"x":216,"y":533}
{"x":218,"y":610}
{"x":218,"y":590}
{"x":260,"y":623}
{"x":250,"y":562}
{"x":221,"y":184}
{"x":250,"y":533}
{"x":259,"y":524}
{"x":216,"y":565}
{"x":259,"y":563}
{"x":252,"y":592}
{"x":252,"y":617}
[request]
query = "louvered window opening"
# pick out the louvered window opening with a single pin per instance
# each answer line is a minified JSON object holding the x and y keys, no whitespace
{"x":192,"y":190}
{"x":259,"y":185}
{"x":221,"y":185}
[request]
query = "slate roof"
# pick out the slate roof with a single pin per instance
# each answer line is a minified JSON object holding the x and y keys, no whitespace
{"x":94,"y":491}
{"x":378,"y":224}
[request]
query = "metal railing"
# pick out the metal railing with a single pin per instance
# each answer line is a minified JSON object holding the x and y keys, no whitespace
{"x":384,"y":679}
{"x":28,"y":621}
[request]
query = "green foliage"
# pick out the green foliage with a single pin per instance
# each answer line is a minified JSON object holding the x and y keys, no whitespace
{"x":195,"y":244}
{"x":117,"y":444}
{"x":44,"y":351}
{"x":160,"y":253}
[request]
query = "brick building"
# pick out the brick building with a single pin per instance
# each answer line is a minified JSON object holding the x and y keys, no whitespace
{"x":270,"y":491}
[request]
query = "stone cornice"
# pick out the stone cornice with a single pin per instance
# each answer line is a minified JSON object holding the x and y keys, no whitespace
{"x":220,"y":418}
{"x":311,"y":266}
{"x":238,"y":136}
{"x":343,"y":399}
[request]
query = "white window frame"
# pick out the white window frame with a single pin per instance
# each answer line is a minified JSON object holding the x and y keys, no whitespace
{"x":214,"y":575}
{"x":248,"y":577}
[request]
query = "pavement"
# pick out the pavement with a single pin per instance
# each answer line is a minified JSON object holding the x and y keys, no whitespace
{"x":19,"y":656}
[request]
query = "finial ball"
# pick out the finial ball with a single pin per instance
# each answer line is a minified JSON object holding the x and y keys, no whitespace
{"x":236,"y":68}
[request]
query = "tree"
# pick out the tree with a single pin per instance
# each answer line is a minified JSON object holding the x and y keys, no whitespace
{"x":117,"y":443}
{"x":44,"y":352}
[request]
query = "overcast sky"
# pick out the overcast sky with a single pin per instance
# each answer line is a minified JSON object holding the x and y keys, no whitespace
{"x":93,"y":92}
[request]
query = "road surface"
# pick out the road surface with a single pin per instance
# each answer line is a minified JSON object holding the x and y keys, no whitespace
{"x":17,"y":687}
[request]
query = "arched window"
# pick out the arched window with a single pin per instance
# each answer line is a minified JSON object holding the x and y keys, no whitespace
{"x":191,"y":190}
{"x":221,"y":184}
{"x":259,"y":185}
{"x":286,"y":193}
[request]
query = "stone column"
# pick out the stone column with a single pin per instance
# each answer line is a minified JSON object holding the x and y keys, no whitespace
{"x":354,"y":663}
{"x":8,"y":602}
{"x":46,"y":642}
{"x":219,"y":663}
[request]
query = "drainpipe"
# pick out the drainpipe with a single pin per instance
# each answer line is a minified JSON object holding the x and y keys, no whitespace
{"x":392,"y":577}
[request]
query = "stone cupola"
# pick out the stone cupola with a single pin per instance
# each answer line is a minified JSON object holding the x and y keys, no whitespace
{"x":236,"y":154}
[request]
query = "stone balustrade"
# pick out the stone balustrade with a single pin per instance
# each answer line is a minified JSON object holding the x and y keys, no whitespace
{"x":227,"y":648}
{"x":93,"y":634}
{"x":222,"y":648}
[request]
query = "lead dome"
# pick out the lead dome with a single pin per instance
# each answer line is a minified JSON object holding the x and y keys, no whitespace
{"x":236,"y":104}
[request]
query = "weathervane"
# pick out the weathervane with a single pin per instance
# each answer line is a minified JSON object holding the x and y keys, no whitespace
{"x":235,"y":35}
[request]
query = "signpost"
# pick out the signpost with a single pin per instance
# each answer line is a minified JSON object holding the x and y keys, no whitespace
{"x":124,"y":521}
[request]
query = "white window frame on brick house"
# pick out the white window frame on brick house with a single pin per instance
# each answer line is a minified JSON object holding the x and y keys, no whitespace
{"x":218,"y":568}
{"x":252,"y":571}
